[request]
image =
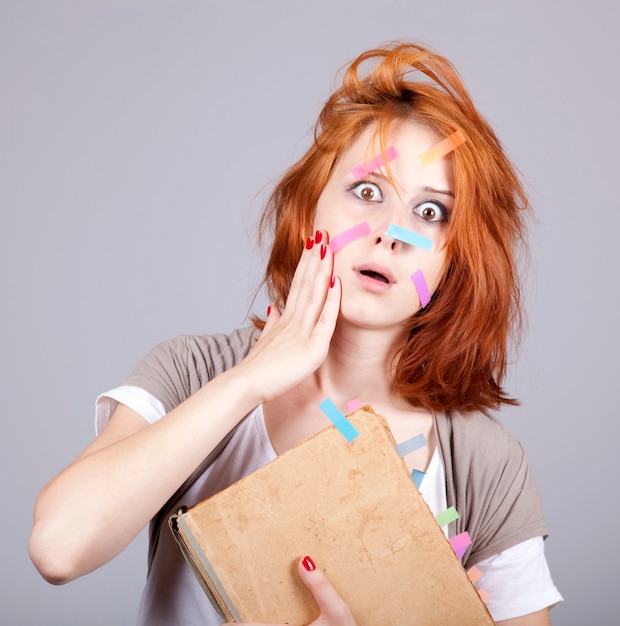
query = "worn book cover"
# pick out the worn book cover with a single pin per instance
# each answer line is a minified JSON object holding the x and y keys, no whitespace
{"x":354,"y":508}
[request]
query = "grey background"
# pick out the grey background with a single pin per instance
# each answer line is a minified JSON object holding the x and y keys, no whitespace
{"x":134,"y":139}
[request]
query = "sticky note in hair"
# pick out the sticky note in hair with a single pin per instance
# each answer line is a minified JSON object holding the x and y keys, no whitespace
{"x":447,"y":516}
{"x":419,"y":282}
{"x":474,"y":574}
{"x":347,"y":236}
{"x":442,"y":148}
{"x":354,"y":405}
{"x":411,"y":445}
{"x":408,"y":236}
{"x":417,"y":477}
{"x":372,"y":165}
{"x":460,"y":543}
{"x":338,"y":419}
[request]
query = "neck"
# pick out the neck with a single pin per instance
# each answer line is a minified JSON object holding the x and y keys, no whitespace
{"x":359,"y":365}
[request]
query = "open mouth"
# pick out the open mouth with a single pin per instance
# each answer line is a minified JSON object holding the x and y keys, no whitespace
{"x":376,"y":276}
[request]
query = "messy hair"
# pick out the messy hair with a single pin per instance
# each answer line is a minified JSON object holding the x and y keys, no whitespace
{"x":456,"y":353}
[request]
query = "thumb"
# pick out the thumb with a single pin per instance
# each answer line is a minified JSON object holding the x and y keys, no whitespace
{"x":273,"y":315}
{"x":334,"y":611}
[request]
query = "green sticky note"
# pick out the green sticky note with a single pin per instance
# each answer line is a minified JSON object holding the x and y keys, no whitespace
{"x":447,"y":516}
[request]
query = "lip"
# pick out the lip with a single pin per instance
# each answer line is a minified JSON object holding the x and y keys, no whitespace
{"x":374,"y":284}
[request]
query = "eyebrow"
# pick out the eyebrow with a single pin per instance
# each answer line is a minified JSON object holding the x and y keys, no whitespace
{"x":443,"y":192}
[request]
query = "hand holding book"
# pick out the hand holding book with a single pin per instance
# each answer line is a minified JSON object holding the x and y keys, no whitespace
{"x":334,"y":612}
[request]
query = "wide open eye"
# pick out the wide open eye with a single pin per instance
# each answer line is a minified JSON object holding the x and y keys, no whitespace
{"x":431,"y":211}
{"x":368,"y":192}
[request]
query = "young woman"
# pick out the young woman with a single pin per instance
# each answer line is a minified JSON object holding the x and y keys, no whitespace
{"x":410,"y":308}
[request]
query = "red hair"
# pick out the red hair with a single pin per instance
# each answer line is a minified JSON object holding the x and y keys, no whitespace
{"x":456,"y":353}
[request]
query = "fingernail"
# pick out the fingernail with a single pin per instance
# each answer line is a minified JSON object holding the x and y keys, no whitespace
{"x":323,"y":250}
{"x":318,"y":237}
{"x":332,"y":281}
{"x":268,"y":310}
{"x":309,"y":243}
{"x":308,"y":563}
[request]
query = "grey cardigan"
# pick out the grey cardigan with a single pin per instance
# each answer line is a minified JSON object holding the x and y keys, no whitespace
{"x":488,"y":479}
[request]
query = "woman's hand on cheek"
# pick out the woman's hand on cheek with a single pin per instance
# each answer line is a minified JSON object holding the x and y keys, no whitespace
{"x":334,"y":612}
{"x":295,"y":342}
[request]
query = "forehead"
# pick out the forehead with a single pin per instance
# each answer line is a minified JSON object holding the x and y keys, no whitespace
{"x":409,"y":140}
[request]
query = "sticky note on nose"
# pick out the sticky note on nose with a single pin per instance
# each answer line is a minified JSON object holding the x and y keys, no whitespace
{"x":408,"y":236}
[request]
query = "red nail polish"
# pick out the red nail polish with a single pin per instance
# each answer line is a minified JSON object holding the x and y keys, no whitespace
{"x":318,"y":237}
{"x":332,"y":281}
{"x":323,"y":250}
{"x":268,"y":310}
{"x":308,"y":563}
{"x":309,"y":243}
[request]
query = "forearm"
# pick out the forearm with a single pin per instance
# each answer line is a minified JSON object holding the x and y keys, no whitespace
{"x":95,"y":507}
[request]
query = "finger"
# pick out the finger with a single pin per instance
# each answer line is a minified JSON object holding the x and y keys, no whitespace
{"x":273,"y":315}
{"x":334,"y":611}
{"x":324,"y":327}
{"x":298,"y":277}
{"x":314,"y":287}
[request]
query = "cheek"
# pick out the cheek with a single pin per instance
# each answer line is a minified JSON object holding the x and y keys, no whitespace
{"x":433,"y":268}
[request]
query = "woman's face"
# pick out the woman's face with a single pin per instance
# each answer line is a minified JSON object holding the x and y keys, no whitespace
{"x":375,"y":269}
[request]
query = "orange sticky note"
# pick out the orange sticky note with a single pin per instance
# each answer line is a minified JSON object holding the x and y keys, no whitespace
{"x":442,"y":148}
{"x":474,"y":574}
{"x":484,"y":595}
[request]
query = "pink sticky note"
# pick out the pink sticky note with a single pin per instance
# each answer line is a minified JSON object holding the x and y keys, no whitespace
{"x":442,"y":148}
{"x":354,"y":405}
{"x":421,"y":287}
{"x":474,"y":574}
{"x":484,"y":595}
{"x":347,"y":236}
{"x":372,"y":165}
{"x":460,"y":543}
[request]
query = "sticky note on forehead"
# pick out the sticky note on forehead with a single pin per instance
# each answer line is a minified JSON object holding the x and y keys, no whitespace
{"x":372,"y":165}
{"x":442,"y":148}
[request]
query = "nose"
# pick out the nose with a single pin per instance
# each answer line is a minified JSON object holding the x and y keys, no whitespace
{"x":381,"y":238}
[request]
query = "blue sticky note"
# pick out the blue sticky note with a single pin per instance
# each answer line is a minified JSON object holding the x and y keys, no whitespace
{"x":408,"y":236}
{"x":337,"y":418}
{"x":411,"y":445}
{"x":417,"y":476}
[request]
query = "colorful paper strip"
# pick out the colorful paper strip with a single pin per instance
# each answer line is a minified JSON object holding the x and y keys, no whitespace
{"x":419,"y":282}
{"x":474,"y":574}
{"x":417,"y":476}
{"x":372,"y":165}
{"x":460,"y":543}
{"x":354,"y":405}
{"x":447,"y":516}
{"x":442,"y":148}
{"x":411,"y":445}
{"x":408,"y":236}
{"x":338,"y":419}
{"x":347,"y":236}
{"x":484,"y":595}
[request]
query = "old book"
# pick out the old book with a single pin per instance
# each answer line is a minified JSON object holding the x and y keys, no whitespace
{"x":354,"y":508}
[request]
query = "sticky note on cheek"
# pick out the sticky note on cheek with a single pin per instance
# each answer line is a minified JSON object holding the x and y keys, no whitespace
{"x":372,"y":165}
{"x":421,"y":287}
{"x":347,"y":236}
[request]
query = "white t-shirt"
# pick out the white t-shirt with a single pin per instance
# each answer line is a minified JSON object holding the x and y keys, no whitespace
{"x":517,"y":580}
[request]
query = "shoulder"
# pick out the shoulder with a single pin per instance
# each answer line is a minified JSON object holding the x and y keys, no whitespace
{"x":490,"y":482}
{"x":176,"y":368}
{"x":476,"y":433}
